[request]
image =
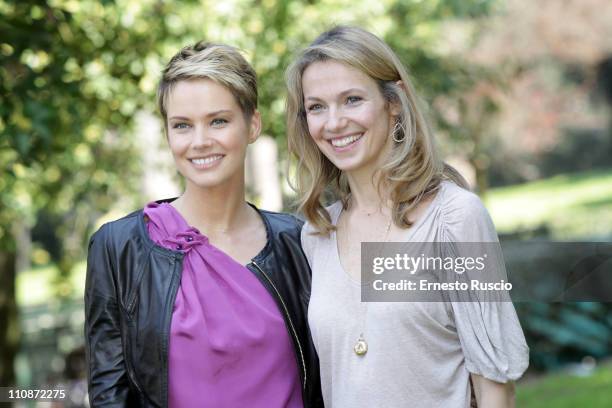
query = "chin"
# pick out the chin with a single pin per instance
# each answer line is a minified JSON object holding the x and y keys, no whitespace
{"x":348,"y":165}
{"x":213,"y":179}
{"x":205,"y":184}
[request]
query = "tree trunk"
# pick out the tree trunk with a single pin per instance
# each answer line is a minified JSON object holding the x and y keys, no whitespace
{"x":482,"y":178}
{"x":9,"y":325}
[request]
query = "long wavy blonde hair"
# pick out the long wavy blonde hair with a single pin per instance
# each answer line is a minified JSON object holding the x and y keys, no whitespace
{"x":413,"y":169}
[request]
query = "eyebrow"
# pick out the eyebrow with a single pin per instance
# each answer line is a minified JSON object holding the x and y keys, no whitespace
{"x":348,"y":91}
{"x":209,"y":114}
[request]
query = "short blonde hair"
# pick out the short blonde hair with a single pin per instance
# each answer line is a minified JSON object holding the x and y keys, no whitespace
{"x":221,"y":63}
{"x":413,"y":169}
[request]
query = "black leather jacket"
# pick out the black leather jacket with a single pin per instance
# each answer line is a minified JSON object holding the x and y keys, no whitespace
{"x":129,"y":295}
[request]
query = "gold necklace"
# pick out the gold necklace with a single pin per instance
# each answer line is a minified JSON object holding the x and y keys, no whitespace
{"x":361,"y":345}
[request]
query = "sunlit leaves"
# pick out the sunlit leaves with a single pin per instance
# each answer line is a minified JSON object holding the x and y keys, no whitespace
{"x":75,"y":73}
{"x":36,"y":60}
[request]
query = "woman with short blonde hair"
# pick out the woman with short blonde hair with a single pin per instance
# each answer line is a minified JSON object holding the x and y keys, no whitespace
{"x":200,"y":300}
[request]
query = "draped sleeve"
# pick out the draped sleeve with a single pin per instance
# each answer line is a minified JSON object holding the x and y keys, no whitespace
{"x":489,"y":331}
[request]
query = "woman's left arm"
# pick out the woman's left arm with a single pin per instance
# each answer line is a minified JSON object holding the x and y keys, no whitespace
{"x":490,"y":333}
{"x":492,"y":394}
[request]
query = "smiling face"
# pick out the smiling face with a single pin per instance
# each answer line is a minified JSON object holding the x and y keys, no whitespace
{"x":208,"y":133}
{"x":347,"y":116}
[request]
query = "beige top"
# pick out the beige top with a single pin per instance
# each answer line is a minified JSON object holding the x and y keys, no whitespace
{"x":420,"y":353}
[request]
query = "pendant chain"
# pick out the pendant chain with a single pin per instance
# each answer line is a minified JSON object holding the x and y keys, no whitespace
{"x":361,"y":345}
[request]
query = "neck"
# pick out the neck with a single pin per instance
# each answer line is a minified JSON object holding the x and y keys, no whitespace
{"x":219,"y":209}
{"x":365,"y":194}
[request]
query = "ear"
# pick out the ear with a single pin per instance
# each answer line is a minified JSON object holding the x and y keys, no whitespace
{"x":254,"y":127}
{"x":396,"y":107}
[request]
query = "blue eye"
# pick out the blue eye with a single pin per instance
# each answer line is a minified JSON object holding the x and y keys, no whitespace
{"x":315,"y":107}
{"x":351,"y":100}
{"x":180,"y":125}
{"x":218,"y":122}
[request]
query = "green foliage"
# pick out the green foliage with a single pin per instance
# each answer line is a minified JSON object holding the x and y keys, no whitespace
{"x":73,"y":74}
{"x":415,"y":34}
{"x":574,"y":206}
{"x":562,"y":333}
{"x":72,"y":78}
{"x":564,"y":390}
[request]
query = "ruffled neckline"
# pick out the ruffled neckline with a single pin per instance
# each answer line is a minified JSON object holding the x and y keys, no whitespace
{"x":173,"y":227}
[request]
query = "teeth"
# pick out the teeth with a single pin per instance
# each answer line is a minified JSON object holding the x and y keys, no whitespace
{"x":206,"y":160}
{"x":345,"y":141}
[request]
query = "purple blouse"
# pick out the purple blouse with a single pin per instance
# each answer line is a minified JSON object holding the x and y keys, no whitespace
{"x":229,"y":346}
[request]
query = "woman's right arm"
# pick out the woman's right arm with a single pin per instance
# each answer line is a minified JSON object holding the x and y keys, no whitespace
{"x":106,"y":373}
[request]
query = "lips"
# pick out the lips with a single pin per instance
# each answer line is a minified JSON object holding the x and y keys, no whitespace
{"x":344,"y":141}
{"x":208,"y":161}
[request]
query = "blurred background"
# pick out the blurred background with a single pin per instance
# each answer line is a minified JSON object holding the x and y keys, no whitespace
{"x":520,"y":95}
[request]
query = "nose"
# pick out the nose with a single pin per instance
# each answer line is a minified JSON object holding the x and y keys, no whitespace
{"x":201,"y":139}
{"x":335,"y":120}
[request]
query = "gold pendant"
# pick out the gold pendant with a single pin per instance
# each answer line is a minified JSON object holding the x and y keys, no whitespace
{"x":361,"y":347}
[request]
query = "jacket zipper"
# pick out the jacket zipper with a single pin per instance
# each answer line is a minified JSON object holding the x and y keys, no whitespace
{"x":292,"y":331}
{"x":177,"y":265}
{"x":130,"y":368}
{"x":128,"y":354}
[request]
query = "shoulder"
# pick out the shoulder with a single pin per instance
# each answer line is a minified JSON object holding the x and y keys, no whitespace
{"x":464,"y":216}
{"x":282,"y":223}
{"x":113,"y":233}
{"x":313,"y":240}
{"x":104,"y":252}
{"x":457,"y":202}
{"x":333,"y":210}
{"x":124,"y":230}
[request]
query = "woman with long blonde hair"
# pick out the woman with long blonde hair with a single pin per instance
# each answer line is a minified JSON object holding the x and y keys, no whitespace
{"x":368,"y":170}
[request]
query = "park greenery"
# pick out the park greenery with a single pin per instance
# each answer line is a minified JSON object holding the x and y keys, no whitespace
{"x":568,"y":390}
{"x":568,"y":206}
{"x":75,"y":74}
